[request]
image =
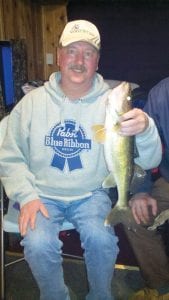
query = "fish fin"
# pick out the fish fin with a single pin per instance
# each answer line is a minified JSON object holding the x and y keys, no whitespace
{"x":121,"y":215}
{"x":99,"y":133}
{"x":109,"y":181}
{"x":139,"y":176}
{"x":118,"y":215}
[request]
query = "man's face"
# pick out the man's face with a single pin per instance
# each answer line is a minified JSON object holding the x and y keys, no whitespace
{"x":78,"y":62}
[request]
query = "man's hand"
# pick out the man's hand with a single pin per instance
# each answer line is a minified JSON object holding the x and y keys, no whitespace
{"x":28,"y":213}
{"x":142,"y":204}
{"x":133,"y":122}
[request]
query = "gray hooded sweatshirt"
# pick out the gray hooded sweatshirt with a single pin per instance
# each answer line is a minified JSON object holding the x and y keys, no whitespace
{"x":49,"y":150}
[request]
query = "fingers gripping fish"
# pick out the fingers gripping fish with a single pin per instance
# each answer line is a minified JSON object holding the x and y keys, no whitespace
{"x":118,"y":151}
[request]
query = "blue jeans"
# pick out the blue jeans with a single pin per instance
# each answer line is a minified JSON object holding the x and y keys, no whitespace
{"x":42,"y":247}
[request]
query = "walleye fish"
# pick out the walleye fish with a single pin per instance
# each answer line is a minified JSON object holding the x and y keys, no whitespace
{"x":118,"y":151}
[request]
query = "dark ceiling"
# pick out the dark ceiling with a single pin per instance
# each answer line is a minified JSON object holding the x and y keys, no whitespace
{"x":123,"y":2}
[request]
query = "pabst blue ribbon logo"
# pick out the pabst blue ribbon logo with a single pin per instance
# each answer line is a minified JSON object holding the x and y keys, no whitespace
{"x":67,"y":144}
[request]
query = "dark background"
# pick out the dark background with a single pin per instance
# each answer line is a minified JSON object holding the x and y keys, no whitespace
{"x":135,"y":37}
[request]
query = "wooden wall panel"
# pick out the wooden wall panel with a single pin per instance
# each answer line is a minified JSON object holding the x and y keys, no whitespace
{"x":8,"y":19}
{"x":17,"y":22}
{"x":2,"y":33}
{"x":54,"y":18}
{"x":39,"y":25}
{"x":38,"y":43}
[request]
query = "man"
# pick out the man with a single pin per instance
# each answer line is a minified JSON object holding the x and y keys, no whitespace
{"x":52,"y":166}
{"x":149,"y":245}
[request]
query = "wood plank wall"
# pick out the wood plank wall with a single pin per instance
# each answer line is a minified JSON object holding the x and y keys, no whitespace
{"x":54,"y":19}
{"x":39,"y":25}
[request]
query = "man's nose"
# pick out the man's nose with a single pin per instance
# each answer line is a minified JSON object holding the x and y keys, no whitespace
{"x":80,"y":58}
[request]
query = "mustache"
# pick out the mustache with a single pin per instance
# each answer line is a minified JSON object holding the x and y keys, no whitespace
{"x":81,"y":68}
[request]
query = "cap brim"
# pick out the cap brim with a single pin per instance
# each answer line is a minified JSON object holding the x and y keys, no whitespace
{"x":73,"y":40}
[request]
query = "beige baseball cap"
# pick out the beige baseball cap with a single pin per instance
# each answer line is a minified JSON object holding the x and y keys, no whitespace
{"x":80,"y":30}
